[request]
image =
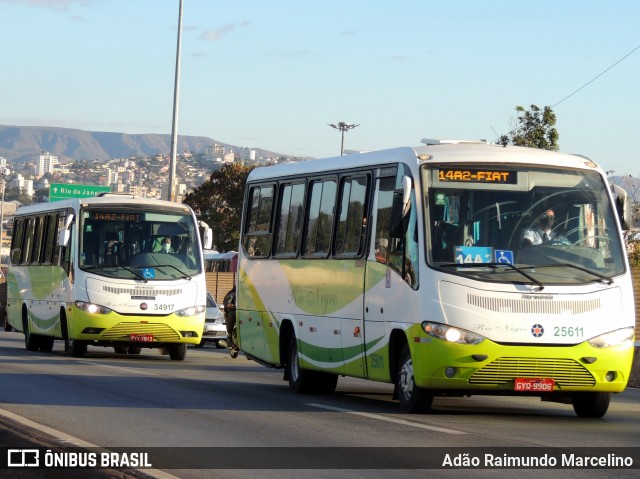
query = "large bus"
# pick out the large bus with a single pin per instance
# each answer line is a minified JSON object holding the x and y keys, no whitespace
{"x":409,"y":266}
{"x":100,"y":271}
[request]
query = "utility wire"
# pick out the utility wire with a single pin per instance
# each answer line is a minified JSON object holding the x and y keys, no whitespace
{"x":596,"y":77}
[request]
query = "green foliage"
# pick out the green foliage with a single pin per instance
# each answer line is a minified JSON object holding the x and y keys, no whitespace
{"x":18,"y":194}
{"x":218,"y":202}
{"x":534,"y":129}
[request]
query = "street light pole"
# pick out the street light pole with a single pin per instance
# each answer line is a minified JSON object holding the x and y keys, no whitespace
{"x":2,"y":185}
{"x":174,"y":127}
{"x":343,"y":126}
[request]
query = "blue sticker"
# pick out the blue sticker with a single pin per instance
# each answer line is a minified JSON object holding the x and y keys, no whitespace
{"x":504,"y":256}
{"x":148,"y":273}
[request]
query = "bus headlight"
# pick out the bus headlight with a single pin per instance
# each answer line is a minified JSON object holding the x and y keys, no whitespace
{"x":190,"y":311}
{"x":92,"y":308}
{"x":451,"y":334}
{"x":620,"y":337}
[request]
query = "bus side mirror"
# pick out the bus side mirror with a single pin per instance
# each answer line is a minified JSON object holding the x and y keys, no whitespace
{"x":206,"y":235}
{"x":623,"y":206}
{"x":207,"y":238}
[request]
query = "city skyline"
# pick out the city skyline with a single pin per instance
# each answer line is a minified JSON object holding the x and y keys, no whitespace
{"x":275,"y":75}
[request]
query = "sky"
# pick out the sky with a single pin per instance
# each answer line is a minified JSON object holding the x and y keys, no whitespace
{"x":274,"y":74}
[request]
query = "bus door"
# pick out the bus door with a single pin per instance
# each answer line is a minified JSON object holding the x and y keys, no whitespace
{"x":392,"y":269}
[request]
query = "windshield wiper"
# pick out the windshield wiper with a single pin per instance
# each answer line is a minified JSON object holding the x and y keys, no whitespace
{"x":606,"y":279}
{"x":115,"y":267}
{"x":494,"y":266}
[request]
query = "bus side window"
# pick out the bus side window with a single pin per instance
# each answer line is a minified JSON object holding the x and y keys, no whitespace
{"x":320,"y":216}
{"x":352,"y":221}
{"x":16,"y":240}
{"x":257,"y":230}
{"x":289,"y":226}
{"x":383,"y":214}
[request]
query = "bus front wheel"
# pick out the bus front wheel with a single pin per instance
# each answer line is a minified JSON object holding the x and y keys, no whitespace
{"x":77,"y":348}
{"x":594,"y":405}
{"x":305,"y":381}
{"x":413,"y":399}
{"x":46,"y":344}
{"x":178,"y":352}
{"x":31,"y":341}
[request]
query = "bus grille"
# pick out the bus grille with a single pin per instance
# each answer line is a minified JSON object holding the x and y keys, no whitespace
{"x":161,"y":332}
{"x":565,"y":372}
{"x":500,"y":305}
{"x":141,"y":291}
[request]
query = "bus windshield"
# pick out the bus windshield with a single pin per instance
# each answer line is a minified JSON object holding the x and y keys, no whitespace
{"x":135,"y":244}
{"x":546,"y":225}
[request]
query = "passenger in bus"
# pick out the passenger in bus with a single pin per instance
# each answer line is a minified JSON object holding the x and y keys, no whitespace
{"x":541,"y":231}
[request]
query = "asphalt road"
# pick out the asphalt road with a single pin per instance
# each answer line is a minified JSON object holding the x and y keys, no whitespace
{"x":17,"y":436}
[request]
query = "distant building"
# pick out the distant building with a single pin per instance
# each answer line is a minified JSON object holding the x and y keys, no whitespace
{"x":45,"y":163}
{"x":25,"y":186}
{"x":247,"y":155}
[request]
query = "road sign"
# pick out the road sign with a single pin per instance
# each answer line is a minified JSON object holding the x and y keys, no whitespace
{"x":64,"y":191}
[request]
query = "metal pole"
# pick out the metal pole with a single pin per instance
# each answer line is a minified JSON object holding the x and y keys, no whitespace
{"x":174,"y":126}
{"x":2,"y":186}
{"x":343,"y":126}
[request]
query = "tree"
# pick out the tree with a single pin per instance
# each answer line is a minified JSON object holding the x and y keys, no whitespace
{"x":533,"y":128}
{"x":18,"y":194}
{"x":218,"y":202}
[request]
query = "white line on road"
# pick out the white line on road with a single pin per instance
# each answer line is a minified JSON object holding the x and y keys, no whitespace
{"x":387,"y":419}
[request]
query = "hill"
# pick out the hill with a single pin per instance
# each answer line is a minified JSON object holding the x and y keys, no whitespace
{"x":25,"y":143}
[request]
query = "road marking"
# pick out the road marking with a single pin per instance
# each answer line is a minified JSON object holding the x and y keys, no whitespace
{"x":67,"y":438}
{"x":387,"y":419}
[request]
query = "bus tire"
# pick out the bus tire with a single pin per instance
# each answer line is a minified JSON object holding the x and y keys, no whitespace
{"x":77,"y":348}
{"x":134,"y":350}
{"x":303,"y":381}
{"x":593,"y":405}
{"x":46,"y":344}
{"x":121,"y":349}
{"x":413,"y":399}
{"x":297,"y":376}
{"x":31,"y":341}
{"x":178,"y":352}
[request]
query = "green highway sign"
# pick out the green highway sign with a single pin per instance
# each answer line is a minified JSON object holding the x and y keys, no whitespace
{"x":58,"y":191}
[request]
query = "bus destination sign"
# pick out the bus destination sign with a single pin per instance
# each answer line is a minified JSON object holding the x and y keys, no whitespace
{"x":477,"y":175}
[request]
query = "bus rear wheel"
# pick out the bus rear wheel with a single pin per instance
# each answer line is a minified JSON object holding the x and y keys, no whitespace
{"x":178,"y":352}
{"x":413,"y":399}
{"x":593,"y":405}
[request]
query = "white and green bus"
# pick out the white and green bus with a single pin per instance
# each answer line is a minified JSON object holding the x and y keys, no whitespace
{"x":92,"y":271}
{"x":409,"y":266}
